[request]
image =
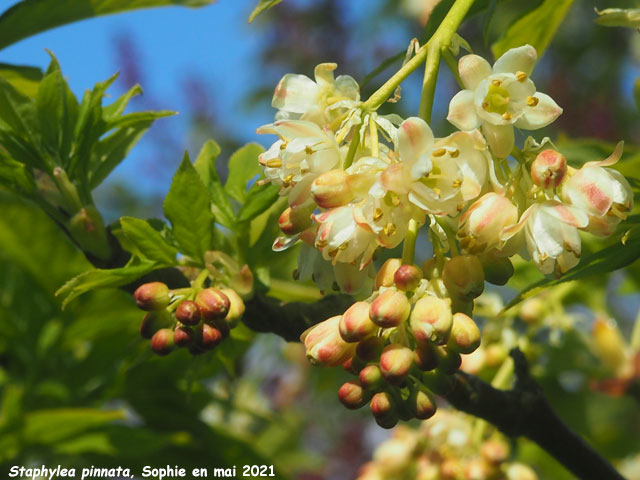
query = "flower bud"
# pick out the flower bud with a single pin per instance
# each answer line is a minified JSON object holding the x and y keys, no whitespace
{"x":497,"y":270}
{"x":549,"y":169}
{"x":430,"y":268}
{"x":369,"y":350}
{"x":407,"y":277}
{"x":451,"y":469}
{"x":236,"y":307}
{"x":351,"y":395}
{"x":532,"y":310}
{"x":152,"y":296}
{"x":385,"y":276}
{"x":495,"y":354}
{"x":495,"y":451}
{"x":519,"y":471}
{"x":208,"y":337}
{"x":448,"y":360}
{"x":384,"y":411}
{"x":154,"y":321}
{"x":424,"y":356}
{"x":430,"y":319}
{"x":213,"y":304}
{"x":355,"y":324}
{"x":295,"y":219}
{"x":188,"y":313}
{"x":609,"y":346}
{"x":461,"y":305}
{"x":162,"y":341}
{"x":477,"y":469}
{"x":370,"y":377}
{"x":324,"y":344}
{"x":183,"y":336}
{"x":480,"y":226}
{"x":395,"y":362}
{"x":331,"y":189}
{"x":390,"y":309}
{"x":421,"y":404}
{"x":465,"y":335}
{"x":463,"y":277}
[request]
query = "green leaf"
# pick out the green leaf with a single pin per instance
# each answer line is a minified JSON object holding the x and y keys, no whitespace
{"x":99,"y":278}
{"x":138,"y":117}
{"x":205,"y":165}
{"x":24,"y":79}
{"x":51,"y":426}
{"x":29,"y":17}
{"x":243,"y":166}
{"x":148,"y":242}
{"x":188,"y":208}
{"x":18,"y":111}
{"x":536,"y":28}
{"x":259,"y":199}
{"x":263,"y":5}
{"x":15,"y":174}
{"x":115,"y":109}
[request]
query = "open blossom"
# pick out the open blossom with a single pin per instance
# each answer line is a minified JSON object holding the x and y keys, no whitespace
{"x":551,"y":235}
{"x":500,"y":98}
{"x":299,"y":97}
{"x":603,"y":193}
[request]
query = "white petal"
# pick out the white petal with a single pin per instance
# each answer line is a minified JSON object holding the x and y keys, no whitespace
{"x":347,"y":86}
{"x":545,"y":112}
{"x":521,"y":59}
{"x":294,"y":93}
{"x":610,"y":160}
{"x":323,"y":72}
{"x":414,"y":138}
{"x":462,"y":111}
{"x":500,"y":138}
{"x":473,"y":69}
{"x":570,"y":215}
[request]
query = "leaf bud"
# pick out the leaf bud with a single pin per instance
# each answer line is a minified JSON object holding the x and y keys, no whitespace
{"x":370,"y":377}
{"x":407,"y":277}
{"x":324,"y":344}
{"x":355,"y":324}
{"x":162,"y":341}
{"x":430,"y":319}
{"x":465,"y":335}
{"x":549,"y":169}
{"x":395,"y":362}
{"x":463,"y":277}
{"x":331,"y":189}
{"x":213,"y":304}
{"x":390,"y":309}
{"x":351,"y":395}
{"x":152,"y":296}
{"x":188,"y":313}
{"x":385,"y":276}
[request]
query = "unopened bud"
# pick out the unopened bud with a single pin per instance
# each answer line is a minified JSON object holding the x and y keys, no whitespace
{"x":331,"y":189}
{"x":549,"y":169}
{"x":183,"y":336}
{"x":609,"y":345}
{"x":479,"y":228}
{"x":236,"y":307}
{"x":162,"y":341}
{"x":324,"y":344}
{"x":519,"y":471}
{"x":425,"y":358}
{"x":421,"y":404}
{"x":385,"y":276}
{"x":532,"y":310}
{"x":497,"y":270}
{"x":448,"y":360}
{"x":463,"y":277}
{"x":369,"y":349}
{"x":451,"y":469}
{"x":188,"y":313}
{"x":353,"y":365}
{"x":461,"y":305}
{"x":390,"y":309}
{"x":208,"y":337}
{"x":152,"y":296}
{"x":355,"y":324}
{"x":295,"y":219}
{"x":395,"y":362}
{"x":370,"y":377}
{"x":495,"y":354}
{"x":430,"y":269}
{"x":154,"y":321}
{"x":495,"y":451}
{"x":352,"y":396}
{"x":430,"y":319}
{"x":384,"y":411}
{"x":213,"y":304}
{"x":477,"y":469}
{"x":465,"y":335}
{"x":407,"y":277}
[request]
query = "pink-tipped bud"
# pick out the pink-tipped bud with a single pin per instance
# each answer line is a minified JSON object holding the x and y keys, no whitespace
{"x":425,"y":358}
{"x":352,"y":396}
{"x":407,"y":277}
{"x":384,"y":411}
{"x":355,"y":324}
{"x":448,"y":361}
{"x":183,"y":336}
{"x":463,"y":276}
{"x":421,"y":404}
{"x":324,"y":344}
{"x":152,"y":296}
{"x":431,"y":320}
{"x":213,"y":304}
{"x":331,"y":189}
{"x":208,"y":337}
{"x":549,"y":169}
{"x":295,"y":219}
{"x":479,"y":228}
{"x":395,"y":362}
{"x":390,"y":309}
{"x":353,"y":365}
{"x":369,"y":350}
{"x":236,"y":307}
{"x":370,"y":377}
{"x":497,"y":270}
{"x":154,"y":321}
{"x":385,"y":276}
{"x":495,"y":451}
{"x":162,"y":341}
{"x":188,"y":313}
{"x":465,"y":335}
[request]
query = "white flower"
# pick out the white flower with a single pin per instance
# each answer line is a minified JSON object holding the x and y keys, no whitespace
{"x":500,"y":98}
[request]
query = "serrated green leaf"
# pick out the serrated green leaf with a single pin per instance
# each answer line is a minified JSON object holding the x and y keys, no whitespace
{"x":24,"y":79}
{"x":259,"y":199}
{"x":188,"y":208}
{"x":205,"y":165}
{"x":52,"y":425}
{"x":99,"y":278}
{"x":51,"y":112}
{"x":14,"y":174}
{"x":243,"y":166}
{"x":263,"y":5}
{"x":18,"y":111}
{"x":29,"y":17}
{"x":138,"y":117}
{"x":148,"y":241}
{"x":536,"y":28}
{"x":116,"y":108}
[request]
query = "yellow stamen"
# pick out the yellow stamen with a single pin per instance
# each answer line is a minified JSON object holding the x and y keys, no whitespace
{"x":389,"y":229}
{"x":321,"y":243}
{"x":521,"y":76}
{"x":456,"y":183}
{"x":308,"y":150}
{"x":273,"y":163}
{"x":485,"y":105}
{"x":437,"y":191}
{"x":395,"y":199}
{"x":532,"y":101}
{"x":507,"y":116}
{"x":496,"y":82}
{"x":439,"y":152}
{"x":455,"y":153}
{"x":377,"y":215}
{"x":344,"y":246}
{"x":288,"y":179}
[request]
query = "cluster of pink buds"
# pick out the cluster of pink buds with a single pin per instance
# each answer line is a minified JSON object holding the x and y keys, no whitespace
{"x":197,"y":319}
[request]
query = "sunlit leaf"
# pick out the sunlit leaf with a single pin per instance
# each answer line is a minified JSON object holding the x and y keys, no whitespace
{"x":50,"y":426}
{"x":148,"y":241}
{"x":25,"y":79}
{"x":205,"y":165}
{"x":263,"y":5}
{"x":259,"y":199}
{"x":243,"y":166}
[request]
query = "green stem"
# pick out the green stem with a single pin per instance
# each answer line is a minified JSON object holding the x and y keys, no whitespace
{"x":353,"y":148}
{"x":442,"y":37}
{"x":452,"y":63}
{"x":432,"y":66}
{"x":451,"y":237}
{"x":409,"y":245}
{"x":291,"y":291}
{"x":200,"y":279}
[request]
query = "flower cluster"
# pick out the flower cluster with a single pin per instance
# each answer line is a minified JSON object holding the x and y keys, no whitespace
{"x":443,"y":449}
